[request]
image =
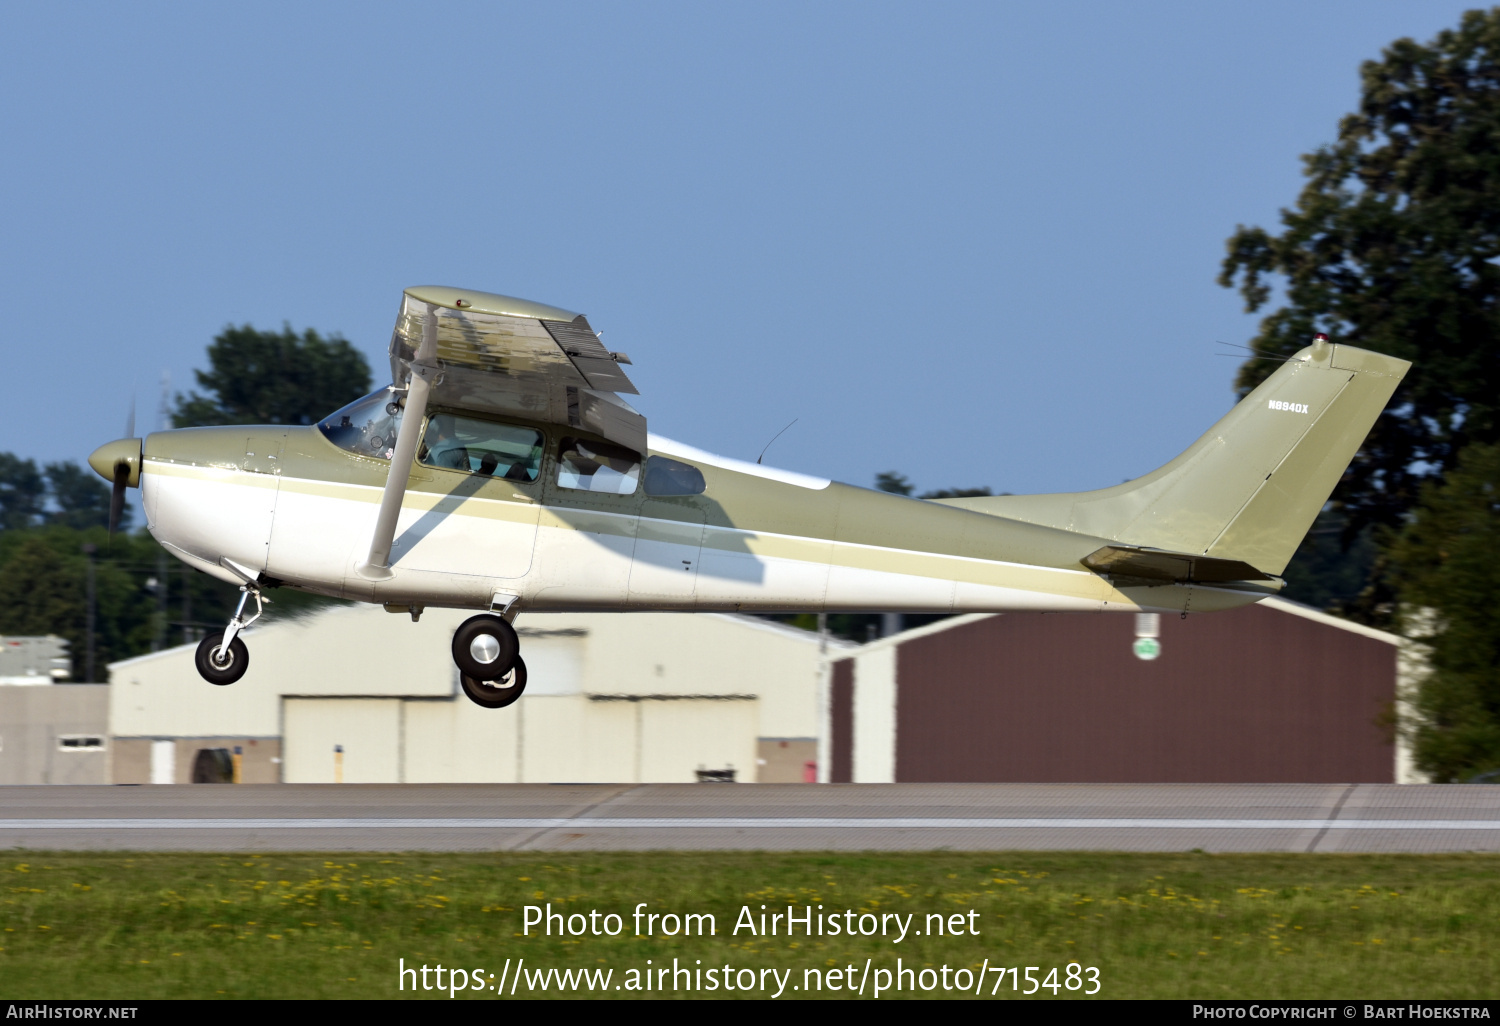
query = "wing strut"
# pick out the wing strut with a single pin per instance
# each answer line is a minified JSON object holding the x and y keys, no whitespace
{"x":424,"y":370}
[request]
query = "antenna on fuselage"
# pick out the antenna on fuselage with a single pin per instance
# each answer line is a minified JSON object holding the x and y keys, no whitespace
{"x":773,"y":438}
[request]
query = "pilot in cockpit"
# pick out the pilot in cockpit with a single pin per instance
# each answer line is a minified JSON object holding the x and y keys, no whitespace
{"x":442,"y":448}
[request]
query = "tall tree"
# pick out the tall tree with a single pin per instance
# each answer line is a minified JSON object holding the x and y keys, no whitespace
{"x":1393,"y":246}
{"x":23,"y":493}
{"x":82,"y":500}
{"x":42,"y":590}
{"x":1445,"y":563}
{"x":270,"y":377}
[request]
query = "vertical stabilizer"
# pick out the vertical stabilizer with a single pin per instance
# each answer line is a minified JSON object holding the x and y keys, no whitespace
{"x":1250,"y":488}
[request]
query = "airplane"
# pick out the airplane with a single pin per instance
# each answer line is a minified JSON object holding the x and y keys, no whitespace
{"x":502,"y":471}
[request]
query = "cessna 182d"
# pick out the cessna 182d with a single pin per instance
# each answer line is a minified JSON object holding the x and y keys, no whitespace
{"x":501,"y":471}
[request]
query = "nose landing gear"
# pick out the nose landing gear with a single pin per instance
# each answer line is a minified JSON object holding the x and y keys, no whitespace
{"x":487,"y":653}
{"x":222,"y":657}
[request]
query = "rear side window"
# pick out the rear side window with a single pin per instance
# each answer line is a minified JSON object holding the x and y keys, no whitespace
{"x":597,"y":467}
{"x":669,"y":477}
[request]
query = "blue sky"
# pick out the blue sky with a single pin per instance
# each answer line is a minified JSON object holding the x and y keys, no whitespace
{"x":975,"y":243}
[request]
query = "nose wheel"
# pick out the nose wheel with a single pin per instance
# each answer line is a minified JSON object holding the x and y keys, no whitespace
{"x":222,"y":657}
{"x":219,"y":665}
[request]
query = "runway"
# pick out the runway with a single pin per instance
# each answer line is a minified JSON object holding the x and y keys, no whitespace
{"x":849,"y":817}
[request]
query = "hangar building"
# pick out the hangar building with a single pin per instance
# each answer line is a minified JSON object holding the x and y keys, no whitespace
{"x":1274,"y":692}
{"x":1269,"y":693}
{"x":357,"y":695}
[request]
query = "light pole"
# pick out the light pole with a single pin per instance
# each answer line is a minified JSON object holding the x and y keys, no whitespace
{"x":187,"y":604}
{"x":159,"y":635}
{"x":88,"y":632}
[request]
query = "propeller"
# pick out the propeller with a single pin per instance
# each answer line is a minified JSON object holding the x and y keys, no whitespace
{"x":122,"y":477}
{"x":117,"y":497}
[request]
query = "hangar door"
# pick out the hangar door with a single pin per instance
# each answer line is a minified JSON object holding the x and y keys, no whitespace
{"x":367,"y":729}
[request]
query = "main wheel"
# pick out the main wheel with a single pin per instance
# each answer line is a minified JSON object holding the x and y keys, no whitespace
{"x":496,"y":694}
{"x":221,"y":670}
{"x":484,"y":647}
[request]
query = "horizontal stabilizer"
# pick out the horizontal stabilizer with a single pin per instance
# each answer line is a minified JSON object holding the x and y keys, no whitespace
{"x":1158,"y":566}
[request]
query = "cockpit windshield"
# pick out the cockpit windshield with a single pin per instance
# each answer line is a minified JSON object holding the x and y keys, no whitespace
{"x":366,"y":426}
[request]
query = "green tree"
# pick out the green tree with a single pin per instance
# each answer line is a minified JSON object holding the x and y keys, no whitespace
{"x":956,"y":493}
{"x":42,"y":591}
{"x":1445,"y":564}
{"x":1393,"y":246}
{"x":1329,"y":570}
{"x":144,"y":599}
{"x":897,"y":483}
{"x":80,"y":498}
{"x":23,"y":492}
{"x":269,"y":377}
{"x":894,"y":482}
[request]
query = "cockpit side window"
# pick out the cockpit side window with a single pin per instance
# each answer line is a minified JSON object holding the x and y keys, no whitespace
{"x":482,"y":447}
{"x":671,"y":477}
{"x":597,"y":467}
{"x":366,"y":426}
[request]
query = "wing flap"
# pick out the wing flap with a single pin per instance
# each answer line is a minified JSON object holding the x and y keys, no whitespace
{"x":597,"y":364}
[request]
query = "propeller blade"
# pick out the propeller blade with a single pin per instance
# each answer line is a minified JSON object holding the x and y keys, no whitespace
{"x":129,"y":425}
{"x":117,"y":497}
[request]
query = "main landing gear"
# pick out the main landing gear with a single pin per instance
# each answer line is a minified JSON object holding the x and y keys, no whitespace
{"x":490,"y":668}
{"x":222,"y":657}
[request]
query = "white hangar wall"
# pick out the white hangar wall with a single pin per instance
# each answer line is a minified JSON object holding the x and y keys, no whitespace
{"x":649,"y":697}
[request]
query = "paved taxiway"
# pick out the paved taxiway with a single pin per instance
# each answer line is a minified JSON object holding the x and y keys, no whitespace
{"x":571,"y":817}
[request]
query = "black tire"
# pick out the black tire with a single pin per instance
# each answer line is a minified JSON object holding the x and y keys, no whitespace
{"x":236,"y":662}
{"x":496,"y":694}
{"x":474,"y":633}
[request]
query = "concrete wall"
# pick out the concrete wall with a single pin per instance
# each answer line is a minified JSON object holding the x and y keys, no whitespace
{"x":33,"y":719}
{"x":131,"y":758}
{"x":545,"y":738}
{"x":708,"y":654}
{"x":786,"y":760}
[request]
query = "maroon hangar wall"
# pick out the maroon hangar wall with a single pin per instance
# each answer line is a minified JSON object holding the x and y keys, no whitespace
{"x":1257,"y":694}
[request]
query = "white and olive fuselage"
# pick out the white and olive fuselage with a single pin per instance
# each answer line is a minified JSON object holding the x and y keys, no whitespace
{"x":294,"y":509}
{"x":503,"y":472}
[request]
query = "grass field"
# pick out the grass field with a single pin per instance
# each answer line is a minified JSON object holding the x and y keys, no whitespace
{"x":79,"y":925}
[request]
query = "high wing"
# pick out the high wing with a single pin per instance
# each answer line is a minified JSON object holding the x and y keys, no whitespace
{"x":496,"y":354}
{"x":510,"y":356}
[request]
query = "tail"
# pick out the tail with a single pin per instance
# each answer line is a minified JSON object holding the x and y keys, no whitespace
{"x":1249,"y":489}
